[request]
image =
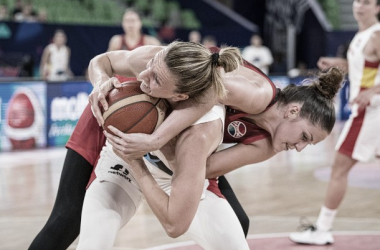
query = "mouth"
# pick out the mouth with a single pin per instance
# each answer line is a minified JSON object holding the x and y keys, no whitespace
{"x":359,"y":13}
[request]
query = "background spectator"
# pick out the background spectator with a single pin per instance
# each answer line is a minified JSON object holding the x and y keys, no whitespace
{"x":28,"y":14}
{"x":209,"y":41}
{"x":17,"y":8}
{"x":257,"y":54}
{"x":133,"y":36}
{"x":3,"y":12}
{"x":195,"y":36}
{"x":56,"y":58}
{"x":42,"y":15}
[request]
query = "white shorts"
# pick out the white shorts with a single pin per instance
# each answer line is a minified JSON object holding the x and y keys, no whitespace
{"x":360,"y":137}
{"x":113,"y":169}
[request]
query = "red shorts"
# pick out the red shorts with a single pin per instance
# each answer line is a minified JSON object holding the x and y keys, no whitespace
{"x":87,"y":138}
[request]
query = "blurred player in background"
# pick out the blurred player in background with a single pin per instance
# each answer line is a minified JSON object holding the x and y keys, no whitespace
{"x":360,"y":139}
{"x":133,"y":36}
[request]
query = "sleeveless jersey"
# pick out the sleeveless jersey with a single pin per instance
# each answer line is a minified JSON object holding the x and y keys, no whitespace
{"x":362,"y":73}
{"x":125,"y":46}
{"x":239,"y":130}
{"x":58,"y":62}
{"x":360,"y":138}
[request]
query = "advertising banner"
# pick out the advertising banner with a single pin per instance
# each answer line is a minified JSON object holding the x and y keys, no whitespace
{"x":66,"y":102}
{"x":22,"y":115}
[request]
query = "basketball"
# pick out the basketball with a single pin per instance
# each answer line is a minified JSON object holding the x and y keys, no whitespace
{"x":132,"y":111}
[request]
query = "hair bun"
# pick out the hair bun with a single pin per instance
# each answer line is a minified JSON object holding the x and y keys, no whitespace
{"x":329,"y":82}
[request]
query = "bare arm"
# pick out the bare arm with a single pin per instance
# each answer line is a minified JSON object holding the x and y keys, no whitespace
{"x":103,"y":67}
{"x":372,"y":52}
{"x":325,"y":63}
{"x":114,"y":43}
{"x":68,"y":69}
{"x":151,"y":40}
{"x":240,"y":155}
{"x":44,"y":62}
{"x":122,"y":62}
{"x":186,"y":113}
{"x":248,"y":93}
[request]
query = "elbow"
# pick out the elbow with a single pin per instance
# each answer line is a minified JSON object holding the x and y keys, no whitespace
{"x":94,"y":60}
{"x":174,"y":231}
{"x":211,"y":173}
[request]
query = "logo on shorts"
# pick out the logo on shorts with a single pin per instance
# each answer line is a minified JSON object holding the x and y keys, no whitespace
{"x":118,"y":170}
{"x":236,"y":129}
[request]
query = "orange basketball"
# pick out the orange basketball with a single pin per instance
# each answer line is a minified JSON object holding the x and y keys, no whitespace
{"x":132,"y":111}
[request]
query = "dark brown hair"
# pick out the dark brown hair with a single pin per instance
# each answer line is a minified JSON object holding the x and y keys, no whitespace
{"x":316,"y":97}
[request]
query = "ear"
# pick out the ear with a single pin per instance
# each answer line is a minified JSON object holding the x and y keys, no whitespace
{"x":293,"y":110}
{"x":180,"y":97}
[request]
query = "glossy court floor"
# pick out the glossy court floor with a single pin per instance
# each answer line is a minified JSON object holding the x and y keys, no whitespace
{"x":274,"y":194}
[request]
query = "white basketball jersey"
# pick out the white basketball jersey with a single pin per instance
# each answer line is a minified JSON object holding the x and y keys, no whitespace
{"x":362,"y":73}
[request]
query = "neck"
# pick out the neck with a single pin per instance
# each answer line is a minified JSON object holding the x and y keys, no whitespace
{"x":172,"y":103}
{"x":132,"y":35}
{"x":366,"y":24}
{"x":268,"y":120}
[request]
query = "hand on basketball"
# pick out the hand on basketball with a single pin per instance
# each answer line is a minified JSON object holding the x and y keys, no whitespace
{"x":98,"y":95}
{"x":121,"y":142}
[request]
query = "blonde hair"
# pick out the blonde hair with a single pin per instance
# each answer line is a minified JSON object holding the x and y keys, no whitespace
{"x":196,"y":67}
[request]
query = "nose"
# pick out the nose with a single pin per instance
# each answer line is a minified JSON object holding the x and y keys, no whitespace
{"x":143,"y":76}
{"x":300,"y":146}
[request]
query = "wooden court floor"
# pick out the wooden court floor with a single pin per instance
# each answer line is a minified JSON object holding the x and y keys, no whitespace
{"x":274,"y":194}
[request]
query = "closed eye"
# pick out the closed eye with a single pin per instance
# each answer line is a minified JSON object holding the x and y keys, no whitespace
{"x":304,"y":137}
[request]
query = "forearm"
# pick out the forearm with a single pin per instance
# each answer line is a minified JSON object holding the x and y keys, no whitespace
{"x":169,"y":212}
{"x":157,"y":199}
{"x":99,"y":70}
{"x":376,"y":89}
{"x":184,"y":115}
{"x":227,"y":160}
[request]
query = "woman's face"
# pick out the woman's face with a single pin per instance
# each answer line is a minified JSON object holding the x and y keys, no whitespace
{"x":365,"y":9}
{"x":131,"y":22}
{"x":59,"y":38}
{"x":157,"y":80}
{"x":296,"y":133}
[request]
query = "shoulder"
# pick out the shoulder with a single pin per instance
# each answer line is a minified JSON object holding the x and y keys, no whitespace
{"x":116,"y":38}
{"x":376,"y":37}
{"x":115,"y":42}
{"x":151,"y":40}
{"x":147,"y":50}
{"x":247,"y":49}
{"x":375,"y":43}
{"x":49,"y":48}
